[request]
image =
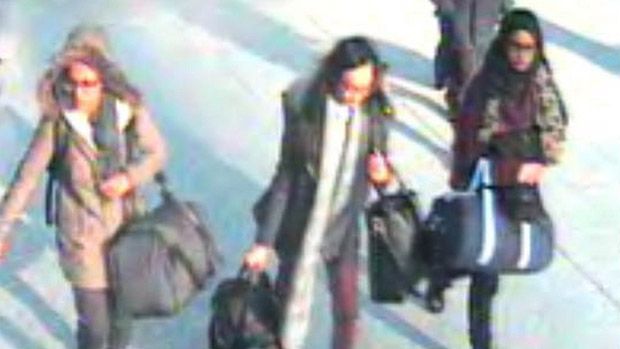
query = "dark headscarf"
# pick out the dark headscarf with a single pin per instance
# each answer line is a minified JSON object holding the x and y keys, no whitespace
{"x":501,"y":78}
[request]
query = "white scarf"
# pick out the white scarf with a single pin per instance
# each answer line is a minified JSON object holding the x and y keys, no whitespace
{"x":329,"y":196}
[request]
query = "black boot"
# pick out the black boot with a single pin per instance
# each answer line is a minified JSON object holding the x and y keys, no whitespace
{"x":439,"y":282}
{"x":434,"y":299}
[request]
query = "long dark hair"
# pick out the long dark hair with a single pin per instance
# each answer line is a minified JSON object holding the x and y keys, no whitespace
{"x":348,"y":53}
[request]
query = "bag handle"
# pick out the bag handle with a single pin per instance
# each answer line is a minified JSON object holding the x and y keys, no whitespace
{"x":482,"y":179}
{"x":256,"y":279}
{"x":161,"y":179}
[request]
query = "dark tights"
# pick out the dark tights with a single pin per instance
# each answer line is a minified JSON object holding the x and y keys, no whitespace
{"x":100,"y":325}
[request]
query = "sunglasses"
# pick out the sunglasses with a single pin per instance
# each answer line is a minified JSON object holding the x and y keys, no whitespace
{"x":346,"y":86}
{"x":521,"y":47}
{"x":86,"y":83}
{"x":69,"y":87}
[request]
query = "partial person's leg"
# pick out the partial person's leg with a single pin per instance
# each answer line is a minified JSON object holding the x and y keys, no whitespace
{"x":462,"y":53}
{"x":120,"y":324}
{"x":444,"y":63}
{"x":482,"y":290}
{"x":93,"y":327}
{"x":463,"y":41}
{"x":487,"y":15}
{"x":343,"y":273}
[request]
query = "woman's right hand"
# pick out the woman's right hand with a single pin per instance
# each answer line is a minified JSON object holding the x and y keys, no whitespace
{"x":5,"y":246}
{"x":531,"y":173}
{"x":258,"y":257}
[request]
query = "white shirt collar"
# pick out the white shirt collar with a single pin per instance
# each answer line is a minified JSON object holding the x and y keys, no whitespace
{"x":80,"y":124}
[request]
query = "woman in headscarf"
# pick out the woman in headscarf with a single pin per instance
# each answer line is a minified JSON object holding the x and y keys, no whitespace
{"x":512,"y":114}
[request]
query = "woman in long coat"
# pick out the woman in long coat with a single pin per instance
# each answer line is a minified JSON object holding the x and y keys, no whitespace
{"x":100,"y":144}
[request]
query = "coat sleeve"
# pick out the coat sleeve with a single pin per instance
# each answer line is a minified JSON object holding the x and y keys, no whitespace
{"x":26,"y":178}
{"x":152,"y":146}
{"x":270,"y":208}
{"x":555,"y":118}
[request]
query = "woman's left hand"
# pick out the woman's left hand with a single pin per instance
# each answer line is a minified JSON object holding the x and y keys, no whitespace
{"x":116,"y":186}
{"x":531,"y":173}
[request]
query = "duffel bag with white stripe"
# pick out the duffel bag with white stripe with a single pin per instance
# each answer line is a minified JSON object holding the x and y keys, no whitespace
{"x":491,"y":229}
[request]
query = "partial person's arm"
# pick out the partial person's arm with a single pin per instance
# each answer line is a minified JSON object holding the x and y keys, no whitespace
{"x":270,"y":208}
{"x":31,"y":168}
{"x":555,"y":118}
{"x":152,"y":146}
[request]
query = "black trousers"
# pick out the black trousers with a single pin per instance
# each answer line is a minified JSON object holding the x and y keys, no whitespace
{"x":482,"y":290}
{"x":101,"y":323}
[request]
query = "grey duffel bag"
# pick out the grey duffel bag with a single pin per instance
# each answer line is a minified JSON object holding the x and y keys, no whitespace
{"x":158,"y":261}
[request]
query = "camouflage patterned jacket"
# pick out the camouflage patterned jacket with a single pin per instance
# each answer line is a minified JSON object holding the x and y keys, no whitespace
{"x":482,"y":121}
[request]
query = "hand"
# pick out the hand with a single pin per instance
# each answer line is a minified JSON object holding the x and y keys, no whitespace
{"x":379,"y":170}
{"x":553,"y":148}
{"x":258,"y":257}
{"x":5,"y":246}
{"x":116,"y":186}
{"x":530,"y":173}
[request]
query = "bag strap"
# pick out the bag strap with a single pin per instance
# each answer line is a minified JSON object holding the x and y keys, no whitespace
{"x":482,"y":180}
{"x":173,"y":245}
{"x":60,"y":144}
{"x":482,"y":176}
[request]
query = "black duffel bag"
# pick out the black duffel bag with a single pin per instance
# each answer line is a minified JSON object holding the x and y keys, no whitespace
{"x":394,"y":256}
{"x":246,"y":313}
{"x":491,"y":229}
{"x":159,"y":260}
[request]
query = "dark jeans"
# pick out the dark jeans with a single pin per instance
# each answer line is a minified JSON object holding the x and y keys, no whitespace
{"x":343,"y":273}
{"x":100,"y":323}
{"x":482,"y":289}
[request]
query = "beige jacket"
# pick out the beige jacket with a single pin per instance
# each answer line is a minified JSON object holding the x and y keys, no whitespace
{"x":85,"y":220}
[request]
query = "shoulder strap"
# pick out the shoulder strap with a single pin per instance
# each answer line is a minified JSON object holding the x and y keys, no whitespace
{"x":54,"y":168}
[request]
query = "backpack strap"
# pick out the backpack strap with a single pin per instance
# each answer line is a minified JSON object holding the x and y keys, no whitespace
{"x":54,"y":168}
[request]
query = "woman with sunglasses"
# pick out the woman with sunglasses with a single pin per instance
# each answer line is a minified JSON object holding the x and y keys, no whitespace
{"x":333,"y":121}
{"x":514,"y":115}
{"x":99,"y":144}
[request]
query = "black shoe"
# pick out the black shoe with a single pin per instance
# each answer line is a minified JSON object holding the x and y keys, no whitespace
{"x":434,"y":299}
